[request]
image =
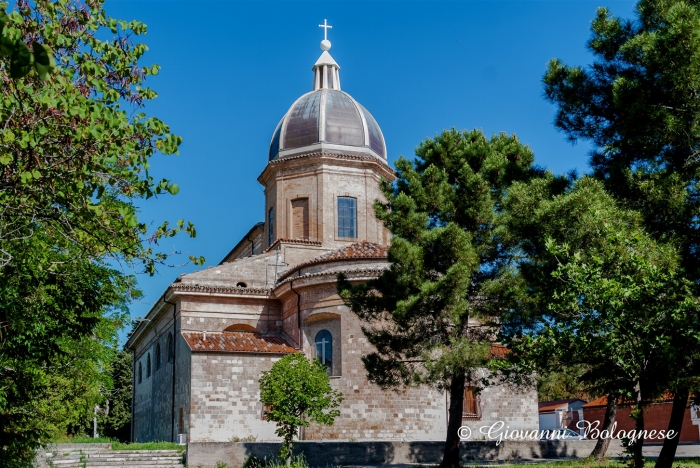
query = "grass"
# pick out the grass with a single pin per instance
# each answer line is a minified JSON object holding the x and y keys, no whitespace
{"x":147,"y":446}
{"x":610,"y":463}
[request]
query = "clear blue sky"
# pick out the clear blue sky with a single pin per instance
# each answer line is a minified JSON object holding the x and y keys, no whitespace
{"x":230,"y":70}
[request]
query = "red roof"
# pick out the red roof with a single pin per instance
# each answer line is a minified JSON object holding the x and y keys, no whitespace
{"x":498,"y":351}
{"x":544,"y":406}
{"x":358,"y":250}
{"x":236,"y":342}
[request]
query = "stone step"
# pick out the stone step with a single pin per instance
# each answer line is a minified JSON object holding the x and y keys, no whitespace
{"x":115,"y":458}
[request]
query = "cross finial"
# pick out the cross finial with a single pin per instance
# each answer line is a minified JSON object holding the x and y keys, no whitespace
{"x":325,"y":29}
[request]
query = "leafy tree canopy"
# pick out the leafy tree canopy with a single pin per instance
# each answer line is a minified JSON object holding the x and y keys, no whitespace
{"x":295,"y":393}
{"x":75,"y":149}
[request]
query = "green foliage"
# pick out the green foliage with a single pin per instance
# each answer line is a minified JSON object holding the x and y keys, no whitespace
{"x":156,"y":445}
{"x":432,"y":315}
{"x":638,"y":103}
{"x":75,"y":150}
{"x":600,"y":292}
{"x":563,"y":382}
{"x":117,"y":422}
{"x":296,"y":461}
{"x":59,"y":317}
{"x":18,"y":55}
{"x":296,"y":392}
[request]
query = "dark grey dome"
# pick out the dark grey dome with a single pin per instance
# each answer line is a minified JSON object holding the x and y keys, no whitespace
{"x":327,"y":119}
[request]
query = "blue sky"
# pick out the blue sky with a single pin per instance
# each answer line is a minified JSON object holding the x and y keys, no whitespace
{"x":230,"y":70}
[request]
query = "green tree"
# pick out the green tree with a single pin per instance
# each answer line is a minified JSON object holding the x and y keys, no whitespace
{"x":75,"y":149}
{"x":638,"y":103}
{"x":603,"y":293}
{"x":59,"y":319}
{"x":296,"y":392}
{"x":432,"y":315}
{"x":117,"y":423}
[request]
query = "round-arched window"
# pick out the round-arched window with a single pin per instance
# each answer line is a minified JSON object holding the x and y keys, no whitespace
{"x":324,"y":349}
{"x":140,"y":373}
{"x":148,"y":365}
{"x":158,"y":358}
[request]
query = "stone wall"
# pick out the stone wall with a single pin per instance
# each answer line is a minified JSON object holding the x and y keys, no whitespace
{"x":225,"y":397}
{"x":324,"y":454}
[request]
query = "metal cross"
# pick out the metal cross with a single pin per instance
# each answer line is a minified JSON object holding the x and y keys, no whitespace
{"x":325,"y":29}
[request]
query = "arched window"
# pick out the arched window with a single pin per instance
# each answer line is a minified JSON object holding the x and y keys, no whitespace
{"x":140,"y":373}
{"x":171,"y":349}
{"x":158,"y":359}
{"x":148,"y":365}
{"x":324,"y":349}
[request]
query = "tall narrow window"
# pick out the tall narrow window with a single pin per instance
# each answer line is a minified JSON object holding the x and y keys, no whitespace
{"x":347,"y":217}
{"x":171,"y":349}
{"x":158,"y":358}
{"x":180,"y":422}
{"x":324,"y":349}
{"x":140,"y":373}
{"x":148,"y":365}
{"x":471,"y":408}
{"x":271,"y":226}
{"x":300,"y":218}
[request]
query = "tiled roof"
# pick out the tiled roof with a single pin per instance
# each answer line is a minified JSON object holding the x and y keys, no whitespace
{"x":292,"y":241}
{"x":193,"y":287}
{"x":236,"y":342}
{"x":666,"y":397}
{"x":358,"y":250}
{"x":498,"y":351}
{"x":544,"y":406}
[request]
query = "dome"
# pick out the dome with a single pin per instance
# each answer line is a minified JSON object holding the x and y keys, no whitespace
{"x":327,"y":119}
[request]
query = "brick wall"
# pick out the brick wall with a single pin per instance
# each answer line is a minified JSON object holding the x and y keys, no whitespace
{"x":225,"y":397}
{"x":656,"y":417}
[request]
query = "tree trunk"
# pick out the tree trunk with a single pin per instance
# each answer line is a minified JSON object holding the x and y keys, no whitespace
{"x":675,"y":424}
{"x":450,"y":459}
{"x":638,"y":416}
{"x":601,"y":446}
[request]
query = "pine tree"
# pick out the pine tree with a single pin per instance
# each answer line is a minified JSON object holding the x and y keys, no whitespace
{"x":431,"y":316}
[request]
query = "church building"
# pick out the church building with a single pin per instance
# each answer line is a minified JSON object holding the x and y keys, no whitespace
{"x":199,"y":352}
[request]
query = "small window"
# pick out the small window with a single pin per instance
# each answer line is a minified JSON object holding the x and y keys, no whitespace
{"x":271,"y":226}
{"x":171,"y":348}
{"x":324,"y":349}
{"x":158,"y":359}
{"x":140,"y":373}
{"x":148,"y":365}
{"x":241,"y":285}
{"x":180,"y":422}
{"x":347,"y":217}
{"x":471,"y":408}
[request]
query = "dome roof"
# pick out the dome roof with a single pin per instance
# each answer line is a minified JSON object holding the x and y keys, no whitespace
{"x":327,"y":119}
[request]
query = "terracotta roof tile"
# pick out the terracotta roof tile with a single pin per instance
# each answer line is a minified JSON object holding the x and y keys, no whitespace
{"x":358,"y":250}
{"x":544,"y":406}
{"x":236,"y":342}
{"x":498,"y":351}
